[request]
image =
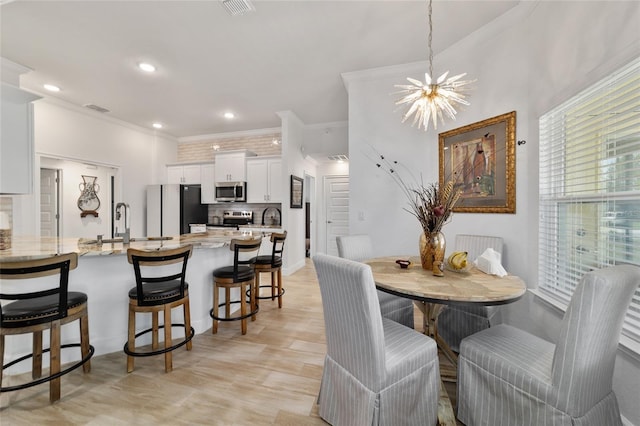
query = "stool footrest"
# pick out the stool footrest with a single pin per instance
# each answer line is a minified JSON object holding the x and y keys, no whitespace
{"x":238,"y":318}
{"x":159,"y":351}
{"x":269,"y":297}
{"x":51,"y":377}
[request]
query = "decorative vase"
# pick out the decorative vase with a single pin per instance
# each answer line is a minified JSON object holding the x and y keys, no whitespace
{"x":432,"y":247}
{"x":88,"y":202}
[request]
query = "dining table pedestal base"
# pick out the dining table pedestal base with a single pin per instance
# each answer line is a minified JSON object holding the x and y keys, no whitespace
{"x":430,"y":312}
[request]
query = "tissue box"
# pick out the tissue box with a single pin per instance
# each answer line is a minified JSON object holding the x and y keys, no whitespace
{"x":5,"y":239}
{"x":489,"y":263}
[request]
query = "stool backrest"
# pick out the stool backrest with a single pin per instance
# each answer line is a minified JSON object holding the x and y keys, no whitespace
{"x":53,"y":265}
{"x":278,"y":247}
{"x":154,"y":258}
{"x":244,"y":253}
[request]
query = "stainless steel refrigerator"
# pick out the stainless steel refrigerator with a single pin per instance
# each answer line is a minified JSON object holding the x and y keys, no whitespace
{"x":172,"y":207}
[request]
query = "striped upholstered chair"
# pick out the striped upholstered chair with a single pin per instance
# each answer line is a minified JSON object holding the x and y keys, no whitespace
{"x":507,"y":376}
{"x":376,"y":371}
{"x":457,"y":322}
{"x":358,"y":248}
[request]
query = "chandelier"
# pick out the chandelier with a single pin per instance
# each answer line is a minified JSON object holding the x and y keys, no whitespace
{"x":432,"y":100}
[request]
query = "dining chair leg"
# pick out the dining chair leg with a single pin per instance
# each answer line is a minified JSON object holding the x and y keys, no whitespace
{"x":257,"y":293}
{"x":36,"y":368}
{"x":279,"y":275}
{"x":168,"y":359}
{"x":154,"y":330}
{"x":187,"y":323}
{"x":54,"y":359}
{"x":1,"y":357}
{"x":216,"y":299}
{"x":131,"y":339}
{"x":253,"y":298}
{"x":243,"y":308}
{"x":84,"y":341}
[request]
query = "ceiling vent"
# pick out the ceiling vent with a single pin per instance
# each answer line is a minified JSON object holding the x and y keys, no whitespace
{"x":96,"y":108}
{"x":238,"y":7}
{"x":339,"y":157}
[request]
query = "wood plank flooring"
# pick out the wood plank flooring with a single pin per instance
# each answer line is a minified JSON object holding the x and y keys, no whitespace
{"x":270,"y":376}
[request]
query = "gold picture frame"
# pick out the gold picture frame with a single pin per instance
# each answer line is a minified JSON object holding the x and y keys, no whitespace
{"x":480,"y":158}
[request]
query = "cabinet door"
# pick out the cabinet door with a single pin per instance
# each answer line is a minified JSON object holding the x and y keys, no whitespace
{"x":275,"y":181}
{"x":231,"y":167}
{"x":208,"y":188}
{"x":174,"y":174}
{"x":257,"y":184}
{"x":16,"y":141}
{"x":191,"y":174}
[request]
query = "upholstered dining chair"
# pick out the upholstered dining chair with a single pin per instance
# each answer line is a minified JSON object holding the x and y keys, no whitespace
{"x":457,"y":322}
{"x":508,"y":376}
{"x":376,"y":371}
{"x":359,"y":248}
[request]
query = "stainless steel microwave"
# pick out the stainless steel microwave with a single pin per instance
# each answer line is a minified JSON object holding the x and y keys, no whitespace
{"x":231,"y":191}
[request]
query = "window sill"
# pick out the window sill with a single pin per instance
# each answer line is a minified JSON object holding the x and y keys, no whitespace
{"x":627,"y":345}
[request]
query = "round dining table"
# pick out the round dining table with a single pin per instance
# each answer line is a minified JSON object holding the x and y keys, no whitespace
{"x":431,"y":293}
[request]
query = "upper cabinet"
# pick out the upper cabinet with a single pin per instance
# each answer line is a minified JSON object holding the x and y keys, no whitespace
{"x":232,"y":166}
{"x":184,"y":174}
{"x":264,"y":180}
{"x":16,"y":142}
{"x":208,"y":187}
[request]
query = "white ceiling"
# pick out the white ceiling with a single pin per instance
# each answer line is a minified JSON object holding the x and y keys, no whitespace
{"x":287,"y":55}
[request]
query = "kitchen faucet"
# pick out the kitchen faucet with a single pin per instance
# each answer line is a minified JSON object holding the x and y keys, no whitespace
{"x":127,"y":213}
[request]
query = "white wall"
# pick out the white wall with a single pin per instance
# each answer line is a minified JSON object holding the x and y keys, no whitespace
{"x":69,"y":132}
{"x":528,"y":60}
{"x":293,"y":163}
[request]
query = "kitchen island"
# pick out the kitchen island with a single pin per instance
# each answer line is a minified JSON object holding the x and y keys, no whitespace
{"x":105,"y":275}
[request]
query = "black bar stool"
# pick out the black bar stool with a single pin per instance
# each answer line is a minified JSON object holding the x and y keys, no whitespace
{"x":273,"y":264}
{"x":155,"y":294}
{"x":48,"y":309}
{"x":239,"y":275}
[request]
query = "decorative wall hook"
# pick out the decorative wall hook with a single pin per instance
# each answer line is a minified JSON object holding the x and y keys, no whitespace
{"x":522,"y":142}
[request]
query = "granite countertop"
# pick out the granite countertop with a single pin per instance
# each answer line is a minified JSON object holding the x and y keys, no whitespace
{"x":28,"y":247}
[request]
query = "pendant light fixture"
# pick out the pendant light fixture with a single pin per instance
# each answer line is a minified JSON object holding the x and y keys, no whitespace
{"x":432,"y":100}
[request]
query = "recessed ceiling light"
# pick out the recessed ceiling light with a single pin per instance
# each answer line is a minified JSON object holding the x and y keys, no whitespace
{"x":157,"y":125}
{"x":229,"y":115}
{"x":51,"y":88}
{"x":275,"y":142}
{"x":144,"y":66}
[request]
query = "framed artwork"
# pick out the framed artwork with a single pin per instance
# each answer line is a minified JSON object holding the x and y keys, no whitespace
{"x":296,"y":192}
{"x":480,"y":158}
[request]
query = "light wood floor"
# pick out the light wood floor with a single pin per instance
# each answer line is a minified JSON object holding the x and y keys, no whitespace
{"x":269,"y":376}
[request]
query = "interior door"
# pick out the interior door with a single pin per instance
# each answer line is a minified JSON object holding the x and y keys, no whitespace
{"x":336,"y":196}
{"x":49,"y":215}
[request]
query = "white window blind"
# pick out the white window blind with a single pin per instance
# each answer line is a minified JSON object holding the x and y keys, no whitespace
{"x":590,"y":187}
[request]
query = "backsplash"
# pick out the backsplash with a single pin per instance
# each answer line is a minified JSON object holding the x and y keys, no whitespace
{"x":257,"y":209}
{"x":203,"y":150}
{"x":6,"y":206}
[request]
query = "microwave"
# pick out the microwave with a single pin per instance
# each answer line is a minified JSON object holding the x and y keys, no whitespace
{"x":231,"y":191}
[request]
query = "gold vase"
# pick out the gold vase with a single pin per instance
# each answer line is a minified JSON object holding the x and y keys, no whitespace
{"x":432,"y":247}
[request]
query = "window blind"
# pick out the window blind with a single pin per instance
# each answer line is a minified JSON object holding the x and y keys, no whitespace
{"x":590,"y":187}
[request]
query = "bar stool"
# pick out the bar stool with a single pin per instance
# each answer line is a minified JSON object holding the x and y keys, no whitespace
{"x":155,"y":293}
{"x":273,"y":264}
{"x":47,"y":309}
{"x":239,"y":275}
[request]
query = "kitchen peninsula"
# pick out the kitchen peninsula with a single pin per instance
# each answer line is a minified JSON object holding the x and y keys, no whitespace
{"x":105,"y":275}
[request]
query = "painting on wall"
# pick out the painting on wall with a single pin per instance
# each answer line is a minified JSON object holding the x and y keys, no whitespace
{"x":296,"y":192}
{"x":480,"y":159}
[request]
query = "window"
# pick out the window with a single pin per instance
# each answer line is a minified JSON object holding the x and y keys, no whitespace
{"x":590,"y":187}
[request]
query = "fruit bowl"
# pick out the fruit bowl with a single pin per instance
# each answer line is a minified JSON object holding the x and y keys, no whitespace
{"x":464,"y":270}
{"x":458,"y":262}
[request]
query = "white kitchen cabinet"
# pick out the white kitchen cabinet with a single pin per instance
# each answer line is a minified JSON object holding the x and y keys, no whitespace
{"x":16,"y":141}
{"x":208,"y":186}
{"x":184,"y":174}
{"x":232,"y":166}
{"x":264,"y":180}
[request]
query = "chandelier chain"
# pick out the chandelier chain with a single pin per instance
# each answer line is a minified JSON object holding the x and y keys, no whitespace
{"x":430,"y":38}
